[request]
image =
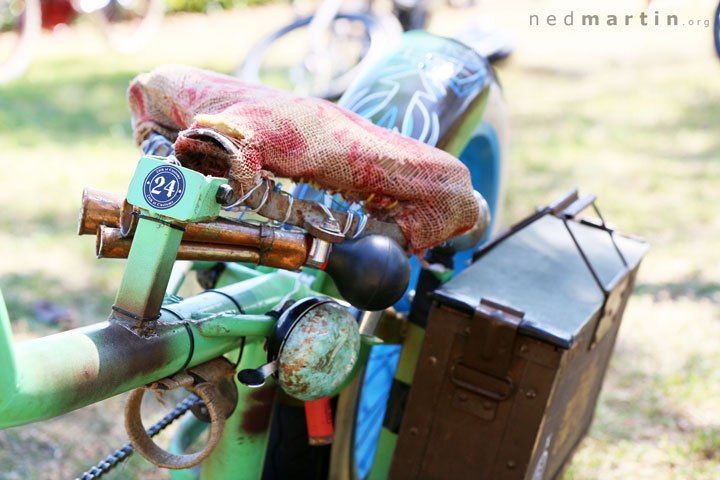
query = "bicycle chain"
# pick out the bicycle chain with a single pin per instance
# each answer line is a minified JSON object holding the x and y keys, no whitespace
{"x":123,"y":452}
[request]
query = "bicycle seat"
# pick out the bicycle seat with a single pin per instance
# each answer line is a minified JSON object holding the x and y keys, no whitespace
{"x":426,"y":191}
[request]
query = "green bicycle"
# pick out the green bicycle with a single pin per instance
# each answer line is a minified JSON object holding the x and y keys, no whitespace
{"x":230,"y":344}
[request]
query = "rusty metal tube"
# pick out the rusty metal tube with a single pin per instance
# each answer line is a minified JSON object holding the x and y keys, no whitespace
{"x":227,"y":232}
{"x":98,"y":208}
{"x":105,"y":359}
{"x":277,"y":207}
{"x":127,"y":221}
{"x":111,"y":244}
{"x":111,"y":210}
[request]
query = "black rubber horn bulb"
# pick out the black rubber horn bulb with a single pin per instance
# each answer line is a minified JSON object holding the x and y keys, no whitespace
{"x":372,"y":273}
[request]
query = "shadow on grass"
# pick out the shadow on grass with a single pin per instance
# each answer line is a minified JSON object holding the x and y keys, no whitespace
{"x":568,"y":125}
{"x":701,"y":114}
{"x":17,"y":447}
{"x":693,"y":288}
{"x":637,"y":405}
{"x":23,"y":290}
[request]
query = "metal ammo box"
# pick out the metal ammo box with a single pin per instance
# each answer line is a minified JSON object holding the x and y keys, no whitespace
{"x":516,"y":349}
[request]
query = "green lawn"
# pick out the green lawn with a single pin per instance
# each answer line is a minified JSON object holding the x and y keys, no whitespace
{"x":640,"y":132}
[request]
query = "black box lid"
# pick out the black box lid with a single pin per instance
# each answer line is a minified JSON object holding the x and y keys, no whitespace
{"x":540,"y":271}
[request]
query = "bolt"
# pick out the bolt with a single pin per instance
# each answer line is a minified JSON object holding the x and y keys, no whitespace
{"x":224,"y":194}
{"x":413,"y":431}
{"x":330,"y":226}
{"x":524,"y":348}
{"x":511,"y":464}
{"x":432,"y":361}
{"x":467,"y":330}
{"x":531,"y":393}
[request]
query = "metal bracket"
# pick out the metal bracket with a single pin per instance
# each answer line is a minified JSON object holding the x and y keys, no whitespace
{"x":615,"y":292}
{"x":484,"y":365}
{"x":327,"y":230}
{"x":167,"y":198}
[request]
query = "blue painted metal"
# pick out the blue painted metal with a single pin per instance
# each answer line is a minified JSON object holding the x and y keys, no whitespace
{"x":423,"y":87}
{"x":379,"y":374}
{"x":482,"y":156}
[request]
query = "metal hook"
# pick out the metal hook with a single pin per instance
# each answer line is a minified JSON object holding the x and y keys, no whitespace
{"x":224,"y":141}
{"x":348,"y":221}
{"x":264,"y":200}
{"x":361,"y":225}
{"x":329,"y":214}
{"x":245,"y":197}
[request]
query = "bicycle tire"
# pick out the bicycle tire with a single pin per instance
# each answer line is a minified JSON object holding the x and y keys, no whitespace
{"x":20,"y":59}
{"x":378,"y":33}
{"x":484,"y":152}
{"x":347,"y":465}
{"x":133,"y":39}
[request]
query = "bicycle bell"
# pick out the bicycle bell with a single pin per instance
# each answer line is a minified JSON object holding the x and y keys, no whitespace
{"x":312,"y":350}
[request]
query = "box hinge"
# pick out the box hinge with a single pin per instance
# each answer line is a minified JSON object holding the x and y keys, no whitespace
{"x":484,"y":365}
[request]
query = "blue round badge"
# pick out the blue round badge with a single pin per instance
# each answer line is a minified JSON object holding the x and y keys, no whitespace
{"x":164,"y":187}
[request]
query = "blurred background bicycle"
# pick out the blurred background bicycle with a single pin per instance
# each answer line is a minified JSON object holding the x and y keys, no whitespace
{"x":629,"y":112}
{"x":128,"y":25}
{"x":320,"y":53}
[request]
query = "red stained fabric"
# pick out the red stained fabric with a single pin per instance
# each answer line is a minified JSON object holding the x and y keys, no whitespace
{"x":425,"y":190}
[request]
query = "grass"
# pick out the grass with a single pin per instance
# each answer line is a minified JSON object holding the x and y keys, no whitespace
{"x":638,"y":129}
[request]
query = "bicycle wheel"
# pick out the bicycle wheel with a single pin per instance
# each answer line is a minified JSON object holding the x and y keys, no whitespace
{"x":463,"y":113}
{"x":20,"y":24}
{"x":438,"y":120}
{"x":128,"y":25}
{"x":286,"y":60}
{"x":366,"y":406}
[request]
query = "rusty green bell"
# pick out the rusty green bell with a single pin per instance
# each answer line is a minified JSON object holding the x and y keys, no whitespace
{"x":320,"y":350}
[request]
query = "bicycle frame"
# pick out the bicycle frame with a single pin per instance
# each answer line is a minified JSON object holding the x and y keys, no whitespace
{"x":123,"y":353}
{"x":106,"y":359}
{"x":130,"y":350}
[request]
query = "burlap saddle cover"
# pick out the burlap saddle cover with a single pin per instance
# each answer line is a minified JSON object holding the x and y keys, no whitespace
{"x":425,"y":190}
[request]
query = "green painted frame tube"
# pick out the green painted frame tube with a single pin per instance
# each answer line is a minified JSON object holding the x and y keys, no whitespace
{"x":8,"y":378}
{"x":225,"y":325}
{"x":241,"y":451}
{"x":147,"y":273}
{"x":106,"y":359}
{"x":188,"y":431}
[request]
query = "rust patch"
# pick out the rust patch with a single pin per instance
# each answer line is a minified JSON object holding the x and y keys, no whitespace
{"x":123,"y":356}
{"x":256,"y":419}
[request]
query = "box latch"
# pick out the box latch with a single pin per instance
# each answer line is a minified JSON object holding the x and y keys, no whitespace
{"x":485,"y":362}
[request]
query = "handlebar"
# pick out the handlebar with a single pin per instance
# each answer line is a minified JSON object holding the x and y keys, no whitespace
{"x":371,"y":273}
